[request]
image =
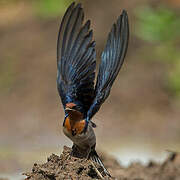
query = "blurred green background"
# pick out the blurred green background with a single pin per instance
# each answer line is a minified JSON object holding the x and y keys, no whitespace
{"x":139,"y":121}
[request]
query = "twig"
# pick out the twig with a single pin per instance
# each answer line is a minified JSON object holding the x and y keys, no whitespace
{"x":97,"y":171}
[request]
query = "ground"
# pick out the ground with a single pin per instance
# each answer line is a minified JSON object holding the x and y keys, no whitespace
{"x":65,"y":167}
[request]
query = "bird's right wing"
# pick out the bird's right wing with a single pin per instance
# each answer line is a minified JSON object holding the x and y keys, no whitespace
{"x":111,"y":61}
{"x":75,"y":59}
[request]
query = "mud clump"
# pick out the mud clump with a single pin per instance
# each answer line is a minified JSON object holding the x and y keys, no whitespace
{"x":66,"y":167}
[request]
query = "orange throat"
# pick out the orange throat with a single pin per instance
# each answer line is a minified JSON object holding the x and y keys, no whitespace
{"x":74,"y":122}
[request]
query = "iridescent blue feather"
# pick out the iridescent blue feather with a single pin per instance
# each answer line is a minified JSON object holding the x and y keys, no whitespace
{"x":111,"y":61}
{"x":75,"y":59}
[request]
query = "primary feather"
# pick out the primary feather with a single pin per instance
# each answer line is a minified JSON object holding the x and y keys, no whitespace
{"x":111,"y":61}
{"x":75,"y":59}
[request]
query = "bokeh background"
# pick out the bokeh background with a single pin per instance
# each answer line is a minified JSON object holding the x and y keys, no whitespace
{"x":141,"y":118}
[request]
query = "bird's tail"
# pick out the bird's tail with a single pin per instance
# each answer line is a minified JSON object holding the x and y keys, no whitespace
{"x":94,"y":157}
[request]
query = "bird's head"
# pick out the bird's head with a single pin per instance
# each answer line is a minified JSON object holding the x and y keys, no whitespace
{"x":73,"y":111}
{"x":74,"y":122}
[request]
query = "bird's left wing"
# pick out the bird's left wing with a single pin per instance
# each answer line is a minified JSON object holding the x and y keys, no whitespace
{"x":111,"y":61}
{"x":75,"y":59}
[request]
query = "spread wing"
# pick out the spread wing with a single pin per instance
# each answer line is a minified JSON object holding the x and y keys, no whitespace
{"x":112,"y":59}
{"x":75,"y":59}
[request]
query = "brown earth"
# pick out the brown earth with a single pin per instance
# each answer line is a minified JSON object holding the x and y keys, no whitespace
{"x":65,"y":167}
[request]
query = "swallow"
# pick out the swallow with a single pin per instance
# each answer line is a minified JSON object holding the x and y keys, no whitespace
{"x":76,"y":64}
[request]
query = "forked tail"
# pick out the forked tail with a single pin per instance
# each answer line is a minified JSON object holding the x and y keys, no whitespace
{"x":94,"y":157}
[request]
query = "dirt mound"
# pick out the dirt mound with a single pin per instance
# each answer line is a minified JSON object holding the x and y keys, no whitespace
{"x":67,"y":167}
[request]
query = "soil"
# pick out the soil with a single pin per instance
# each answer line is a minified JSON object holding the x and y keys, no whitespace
{"x":65,"y":167}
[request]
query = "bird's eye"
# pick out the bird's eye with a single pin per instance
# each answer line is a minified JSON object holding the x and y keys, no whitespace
{"x":77,"y":108}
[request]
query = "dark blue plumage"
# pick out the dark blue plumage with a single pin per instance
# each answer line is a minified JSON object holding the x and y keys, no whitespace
{"x":76,"y":61}
{"x":112,"y":59}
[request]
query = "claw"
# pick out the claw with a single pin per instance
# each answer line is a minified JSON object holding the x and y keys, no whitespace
{"x":93,"y":124}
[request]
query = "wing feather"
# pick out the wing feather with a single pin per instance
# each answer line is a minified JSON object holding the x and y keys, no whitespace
{"x":75,"y":59}
{"x":112,"y":59}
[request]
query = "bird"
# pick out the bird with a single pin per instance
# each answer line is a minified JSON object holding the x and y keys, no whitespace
{"x":76,"y":64}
